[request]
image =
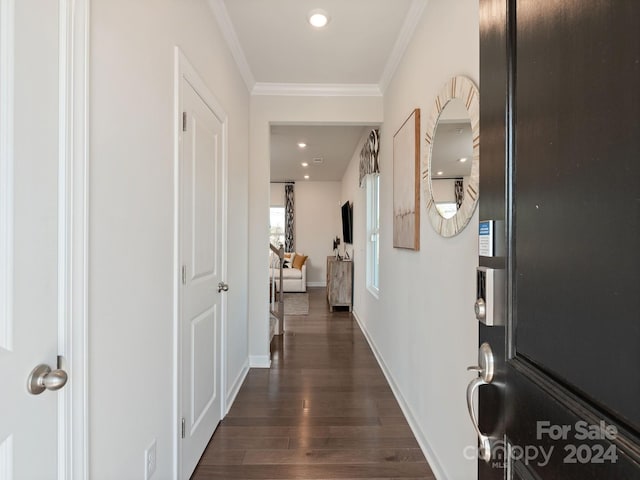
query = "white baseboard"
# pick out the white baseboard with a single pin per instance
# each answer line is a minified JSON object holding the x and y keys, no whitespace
{"x":425,"y":446}
{"x":259,"y":361}
{"x":316,"y":284}
{"x":235,"y":388}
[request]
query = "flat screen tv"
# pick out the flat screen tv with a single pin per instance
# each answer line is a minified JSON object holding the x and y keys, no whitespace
{"x":347,"y":223}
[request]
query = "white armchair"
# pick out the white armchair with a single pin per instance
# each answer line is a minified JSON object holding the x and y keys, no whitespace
{"x":293,"y":279}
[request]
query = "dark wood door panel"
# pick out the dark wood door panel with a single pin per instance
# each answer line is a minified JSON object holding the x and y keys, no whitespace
{"x":549,"y":427}
{"x":560,"y":127}
{"x":577,"y":206}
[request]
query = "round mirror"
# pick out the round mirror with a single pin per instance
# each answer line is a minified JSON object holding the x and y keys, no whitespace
{"x":451,"y":164}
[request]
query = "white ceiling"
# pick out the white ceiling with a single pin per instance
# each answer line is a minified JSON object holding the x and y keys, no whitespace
{"x":278,"y":52}
{"x":335,"y":145}
{"x":281,"y":46}
{"x":274,"y":45}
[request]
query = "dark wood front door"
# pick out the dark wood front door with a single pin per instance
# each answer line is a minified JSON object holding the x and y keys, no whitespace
{"x":560,"y":165}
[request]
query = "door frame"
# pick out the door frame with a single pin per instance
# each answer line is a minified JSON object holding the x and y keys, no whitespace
{"x":183,"y":69}
{"x":6,"y":169}
{"x":73,"y":247}
{"x":73,"y":237}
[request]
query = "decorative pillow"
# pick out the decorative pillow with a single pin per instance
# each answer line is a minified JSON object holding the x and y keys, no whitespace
{"x":285,"y":264}
{"x":289,"y":256}
{"x":299,"y":260}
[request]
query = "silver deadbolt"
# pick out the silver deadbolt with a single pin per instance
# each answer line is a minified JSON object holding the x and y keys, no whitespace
{"x":490,"y":291}
{"x":223,"y":287}
{"x":481,"y":309}
{"x":43,"y":378}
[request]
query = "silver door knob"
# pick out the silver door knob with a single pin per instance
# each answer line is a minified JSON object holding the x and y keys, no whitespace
{"x":223,"y":287}
{"x":43,"y":378}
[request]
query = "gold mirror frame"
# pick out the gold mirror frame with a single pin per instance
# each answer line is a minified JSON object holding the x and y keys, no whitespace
{"x":464,"y":89}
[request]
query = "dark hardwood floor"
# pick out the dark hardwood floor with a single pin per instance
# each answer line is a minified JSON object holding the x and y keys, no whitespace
{"x":323,"y":411}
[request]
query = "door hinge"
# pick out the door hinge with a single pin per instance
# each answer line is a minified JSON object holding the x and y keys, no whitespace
{"x":184,"y":274}
{"x":183,"y":428}
{"x":184,"y":121}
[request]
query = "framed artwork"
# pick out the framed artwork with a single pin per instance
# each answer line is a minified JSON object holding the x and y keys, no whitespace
{"x":406,"y":184}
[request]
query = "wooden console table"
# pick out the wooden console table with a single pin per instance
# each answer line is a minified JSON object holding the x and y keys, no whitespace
{"x":339,"y":283}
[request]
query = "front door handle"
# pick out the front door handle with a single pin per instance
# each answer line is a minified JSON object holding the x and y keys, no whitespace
{"x":485,"y":444}
{"x":43,"y":378}
{"x":223,"y":287}
{"x":485,"y":369}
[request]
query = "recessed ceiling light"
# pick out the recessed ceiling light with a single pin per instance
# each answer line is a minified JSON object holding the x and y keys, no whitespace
{"x":306,"y":177}
{"x":305,"y":164}
{"x":318,"y":18}
{"x":302,"y":144}
{"x":440,"y":173}
{"x":463,"y":159}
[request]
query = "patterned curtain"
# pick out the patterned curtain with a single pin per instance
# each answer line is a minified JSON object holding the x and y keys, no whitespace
{"x":369,"y":156}
{"x":459,"y":193}
{"x":289,"y":223}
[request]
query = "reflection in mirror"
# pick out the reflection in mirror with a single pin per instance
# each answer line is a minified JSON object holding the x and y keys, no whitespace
{"x":451,"y":158}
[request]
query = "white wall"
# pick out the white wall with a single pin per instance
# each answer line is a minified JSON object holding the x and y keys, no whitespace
{"x":423,"y":326}
{"x":351,"y":192}
{"x":265,"y":111}
{"x":131,"y":221}
{"x":277,"y":195}
{"x":318,"y":221}
{"x":444,"y":190}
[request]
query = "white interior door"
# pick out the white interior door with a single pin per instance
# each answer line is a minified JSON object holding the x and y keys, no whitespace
{"x":201,"y":260}
{"x":30,"y":223}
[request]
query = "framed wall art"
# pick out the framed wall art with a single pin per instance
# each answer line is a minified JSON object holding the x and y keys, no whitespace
{"x":406,"y":184}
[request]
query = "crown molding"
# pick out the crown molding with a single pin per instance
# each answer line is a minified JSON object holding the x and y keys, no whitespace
{"x":414,"y":15}
{"x":229,"y":33}
{"x":317,"y":89}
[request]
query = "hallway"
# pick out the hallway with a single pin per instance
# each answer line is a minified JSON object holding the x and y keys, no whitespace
{"x":323,"y":411}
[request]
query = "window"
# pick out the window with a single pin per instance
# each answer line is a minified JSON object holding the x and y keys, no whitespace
{"x":447,"y":209}
{"x":373,"y":233}
{"x":276,"y":226}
